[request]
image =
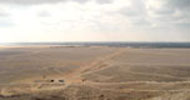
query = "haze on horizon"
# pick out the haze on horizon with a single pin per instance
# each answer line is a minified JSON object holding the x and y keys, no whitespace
{"x":94,"y":20}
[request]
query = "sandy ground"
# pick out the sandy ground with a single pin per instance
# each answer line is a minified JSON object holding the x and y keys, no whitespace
{"x":93,"y":73}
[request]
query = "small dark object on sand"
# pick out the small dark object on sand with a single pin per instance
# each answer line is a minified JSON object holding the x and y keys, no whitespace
{"x":51,"y":80}
{"x":62,"y":81}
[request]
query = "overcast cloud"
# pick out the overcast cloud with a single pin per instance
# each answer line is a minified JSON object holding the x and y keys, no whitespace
{"x":94,"y":20}
{"x":34,"y":2}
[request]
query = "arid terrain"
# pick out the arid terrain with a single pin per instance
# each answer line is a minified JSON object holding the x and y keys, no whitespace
{"x":94,"y":73}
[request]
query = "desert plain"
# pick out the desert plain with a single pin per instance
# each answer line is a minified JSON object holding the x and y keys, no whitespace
{"x":94,"y":73}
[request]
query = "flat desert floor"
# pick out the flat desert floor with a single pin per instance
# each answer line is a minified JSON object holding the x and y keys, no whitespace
{"x":94,"y":73}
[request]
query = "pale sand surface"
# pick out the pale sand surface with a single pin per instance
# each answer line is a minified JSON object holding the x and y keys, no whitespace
{"x":93,"y":73}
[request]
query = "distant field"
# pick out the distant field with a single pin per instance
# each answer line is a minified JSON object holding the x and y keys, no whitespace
{"x":94,"y":73}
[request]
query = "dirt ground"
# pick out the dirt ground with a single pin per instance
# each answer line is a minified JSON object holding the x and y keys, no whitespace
{"x":94,"y":73}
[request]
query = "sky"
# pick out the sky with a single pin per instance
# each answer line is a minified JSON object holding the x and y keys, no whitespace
{"x":94,"y":20}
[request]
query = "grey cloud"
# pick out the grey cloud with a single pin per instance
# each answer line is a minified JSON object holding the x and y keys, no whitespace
{"x":136,"y":14}
{"x":142,"y":22}
{"x":36,"y":2}
{"x":104,"y":1}
{"x":179,"y":4}
{"x":136,"y":10}
{"x":170,"y":7}
{"x":80,"y":1}
{"x":129,"y":12}
{"x":167,"y":12}
{"x":44,"y":14}
{"x":182,"y":6}
{"x":2,"y":14}
{"x":30,"y":2}
{"x":184,"y":25}
{"x":137,"y":18}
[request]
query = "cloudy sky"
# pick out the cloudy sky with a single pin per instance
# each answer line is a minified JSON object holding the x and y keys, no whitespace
{"x":94,"y":20}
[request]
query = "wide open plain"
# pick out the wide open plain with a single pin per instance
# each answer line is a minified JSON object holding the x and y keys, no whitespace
{"x":94,"y":73}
